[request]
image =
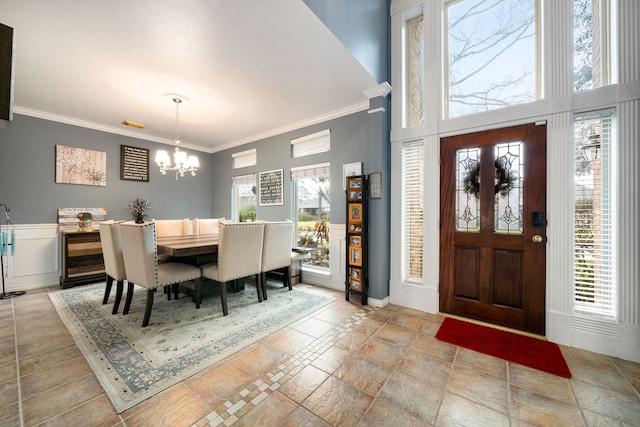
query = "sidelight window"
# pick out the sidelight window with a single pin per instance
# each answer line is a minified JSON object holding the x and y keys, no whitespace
{"x":595,"y":214}
{"x":412,"y":211}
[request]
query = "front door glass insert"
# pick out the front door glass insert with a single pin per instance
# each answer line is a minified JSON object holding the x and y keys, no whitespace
{"x":468,"y":189}
{"x":508,"y":204}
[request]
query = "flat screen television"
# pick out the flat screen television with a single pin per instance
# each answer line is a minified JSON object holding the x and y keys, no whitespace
{"x":7,"y":55}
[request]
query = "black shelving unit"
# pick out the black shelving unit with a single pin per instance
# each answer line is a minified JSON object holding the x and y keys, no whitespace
{"x":357,"y":274}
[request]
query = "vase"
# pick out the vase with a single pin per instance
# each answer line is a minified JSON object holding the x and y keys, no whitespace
{"x":139,"y":219}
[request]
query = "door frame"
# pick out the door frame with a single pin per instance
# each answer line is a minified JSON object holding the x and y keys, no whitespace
{"x":533,"y":316}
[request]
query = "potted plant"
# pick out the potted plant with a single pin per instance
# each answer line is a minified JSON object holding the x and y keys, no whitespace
{"x":138,"y":206}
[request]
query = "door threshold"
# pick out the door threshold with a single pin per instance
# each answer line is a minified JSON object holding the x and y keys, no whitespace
{"x":494,"y":326}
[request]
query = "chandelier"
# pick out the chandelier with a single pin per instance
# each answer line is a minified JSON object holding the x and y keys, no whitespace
{"x":182,"y":162}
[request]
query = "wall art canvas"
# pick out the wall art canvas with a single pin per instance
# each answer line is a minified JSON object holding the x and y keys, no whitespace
{"x":80,"y":166}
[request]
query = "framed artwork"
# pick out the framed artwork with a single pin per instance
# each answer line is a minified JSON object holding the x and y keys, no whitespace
{"x":355,"y":256}
{"x":355,"y":212}
{"x":134,"y":164}
{"x":80,"y":166}
{"x":271,"y":188}
{"x":350,"y":169}
{"x":355,"y":273}
{"x":355,"y":284}
{"x":355,"y":184}
{"x":355,"y":194}
{"x":375,"y":185}
{"x":355,"y":241}
{"x":355,"y":227}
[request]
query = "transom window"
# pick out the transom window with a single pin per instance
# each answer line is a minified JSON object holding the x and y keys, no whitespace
{"x":594,"y":39}
{"x":491,"y":46}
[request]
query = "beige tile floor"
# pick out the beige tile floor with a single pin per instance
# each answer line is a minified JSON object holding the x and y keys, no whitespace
{"x":344,"y":366}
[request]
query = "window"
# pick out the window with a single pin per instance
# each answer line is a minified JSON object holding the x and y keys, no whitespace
{"x":594,"y":29}
{"x":319,"y":142}
{"x":595,"y":214}
{"x":412,"y":210}
{"x":244,"y":159}
{"x":414,"y":92}
{"x":244,"y":198}
{"x":312,"y":186}
{"x":491,"y":46}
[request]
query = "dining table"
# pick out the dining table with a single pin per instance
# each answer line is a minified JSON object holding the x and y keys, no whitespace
{"x":188,"y":245}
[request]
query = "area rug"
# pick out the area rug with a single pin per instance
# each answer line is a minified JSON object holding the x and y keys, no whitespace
{"x":134,"y":363}
{"x":532,"y":352}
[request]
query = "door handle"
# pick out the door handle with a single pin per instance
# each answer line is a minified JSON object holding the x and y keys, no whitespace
{"x":537,"y":238}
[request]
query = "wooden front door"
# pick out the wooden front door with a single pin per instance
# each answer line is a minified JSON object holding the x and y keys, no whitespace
{"x":492,"y":226}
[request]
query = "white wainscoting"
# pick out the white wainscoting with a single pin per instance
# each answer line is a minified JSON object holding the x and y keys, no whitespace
{"x":36,"y":262}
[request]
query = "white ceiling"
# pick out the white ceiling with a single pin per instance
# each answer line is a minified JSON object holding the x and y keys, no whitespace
{"x":250,"y":68}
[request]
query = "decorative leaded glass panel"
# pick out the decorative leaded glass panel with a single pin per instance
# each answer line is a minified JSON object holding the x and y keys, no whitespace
{"x":468,"y":189}
{"x":509,"y":168}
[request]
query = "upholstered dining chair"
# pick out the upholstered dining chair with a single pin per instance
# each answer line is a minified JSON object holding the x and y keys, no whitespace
{"x":142,"y":268}
{"x":171,"y":227}
{"x":207,"y":225}
{"x":168,"y":228}
{"x":239,"y":256}
{"x":113,"y":261}
{"x":276,"y":252}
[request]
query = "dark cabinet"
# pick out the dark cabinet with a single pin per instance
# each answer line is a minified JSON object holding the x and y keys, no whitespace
{"x":82,"y":260}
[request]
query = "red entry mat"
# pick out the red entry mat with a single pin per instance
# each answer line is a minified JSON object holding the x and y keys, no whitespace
{"x":532,"y":352}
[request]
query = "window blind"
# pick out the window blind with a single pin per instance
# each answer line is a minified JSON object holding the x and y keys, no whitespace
{"x":320,"y":169}
{"x":595,"y":216}
{"x":249,"y":179}
{"x":319,"y":142}
{"x":412,"y":210}
{"x":244,"y":159}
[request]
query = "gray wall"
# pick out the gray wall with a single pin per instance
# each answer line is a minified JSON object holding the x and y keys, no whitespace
{"x":27,"y":176}
{"x":349,"y":143}
{"x":362,"y":26}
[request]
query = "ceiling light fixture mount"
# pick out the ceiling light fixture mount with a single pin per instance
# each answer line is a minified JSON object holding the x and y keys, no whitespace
{"x":182,"y":162}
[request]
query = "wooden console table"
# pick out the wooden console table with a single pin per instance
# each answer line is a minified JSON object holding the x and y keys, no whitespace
{"x":82,"y":260}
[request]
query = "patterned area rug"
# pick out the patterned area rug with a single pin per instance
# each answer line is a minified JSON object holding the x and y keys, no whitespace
{"x":134,"y":363}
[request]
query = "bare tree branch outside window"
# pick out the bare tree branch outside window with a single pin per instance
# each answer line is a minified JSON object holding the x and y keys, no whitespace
{"x":491,"y":55}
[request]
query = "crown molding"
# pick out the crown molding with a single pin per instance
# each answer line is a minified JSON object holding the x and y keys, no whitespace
{"x":356,"y":108}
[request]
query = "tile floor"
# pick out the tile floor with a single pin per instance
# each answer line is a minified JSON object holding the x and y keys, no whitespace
{"x":346,"y":365}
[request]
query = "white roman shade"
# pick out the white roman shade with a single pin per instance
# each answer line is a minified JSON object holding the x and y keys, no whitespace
{"x":249,"y":179}
{"x":244,"y":158}
{"x":321,"y":169}
{"x":319,"y":142}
